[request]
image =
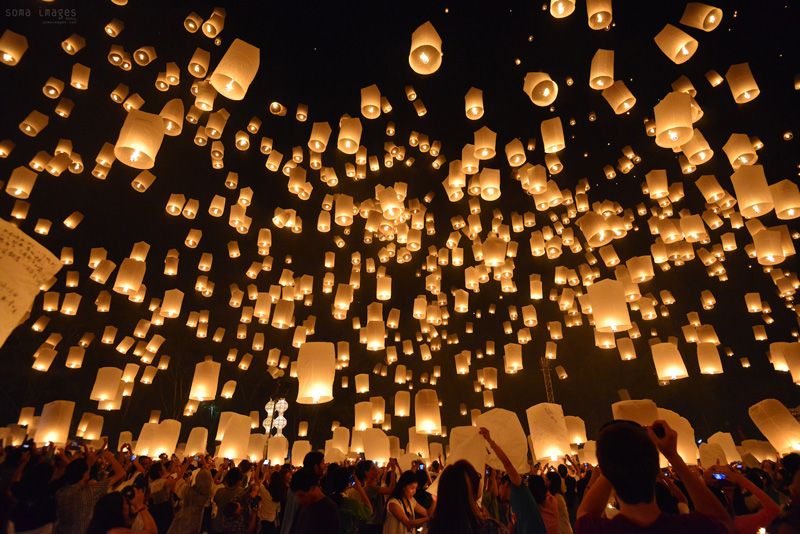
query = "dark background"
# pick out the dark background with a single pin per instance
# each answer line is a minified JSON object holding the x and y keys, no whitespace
{"x":321,"y":54}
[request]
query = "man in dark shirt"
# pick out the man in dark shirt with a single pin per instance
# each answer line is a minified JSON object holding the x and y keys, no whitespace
{"x":318,"y":514}
{"x":627,"y":456}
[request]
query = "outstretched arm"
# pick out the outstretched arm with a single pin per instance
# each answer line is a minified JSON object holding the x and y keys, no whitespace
{"x":598,"y":490}
{"x":509,"y":468}
{"x":704,"y":501}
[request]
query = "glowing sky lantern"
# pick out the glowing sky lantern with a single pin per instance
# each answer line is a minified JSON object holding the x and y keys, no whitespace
{"x":315,"y":371}
{"x":139,"y":139}
{"x":236,"y":70}
{"x":426,"y":50}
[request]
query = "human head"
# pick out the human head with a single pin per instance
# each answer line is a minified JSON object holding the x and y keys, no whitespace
{"x":338,"y":479}
{"x":315,"y":460}
{"x":156,"y":470}
{"x":538,"y":488}
{"x":791,"y":463}
{"x":233,"y":477}
{"x":628,"y":458}
{"x":76,"y":471}
{"x":457,"y":509}
{"x":422,"y":479}
{"x":405,"y":486}
{"x":366,"y":469}
{"x":562,"y":470}
{"x":553,"y":482}
{"x":245,"y":466}
{"x":504,"y":488}
{"x":304,"y":486}
{"x":111,"y":511}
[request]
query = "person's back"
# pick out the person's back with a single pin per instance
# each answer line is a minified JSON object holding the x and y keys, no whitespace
{"x":228,"y":492}
{"x":188,"y":519}
{"x":318,"y":514}
{"x":34,"y":503}
{"x":75,"y":501}
{"x":548,"y":507}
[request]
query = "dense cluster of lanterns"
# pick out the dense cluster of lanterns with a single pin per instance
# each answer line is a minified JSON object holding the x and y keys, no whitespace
{"x":406,"y":228}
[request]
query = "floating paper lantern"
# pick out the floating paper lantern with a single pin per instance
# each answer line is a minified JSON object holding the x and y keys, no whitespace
{"x":426,"y":410}
{"x":609,"y":309}
{"x":786,"y":197}
{"x":552,"y":135}
{"x":277,"y":449}
{"x":601,"y":74}
{"x":701,"y":16}
{"x":204,"y":383}
{"x":20,"y":183}
{"x":777,"y":424}
{"x":674,"y":120}
{"x":54,"y":423}
{"x":12,"y":47}
{"x":512,"y":357}
{"x":402,"y":404}
{"x":106,"y":383}
{"x":676,"y":44}
{"x":34,"y":123}
{"x":371,"y":102}
{"x":316,"y":367}
{"x":549,"y":435}
{"x":473,"y":102}
{"x":576,"y":429}
{"x":743,"y":85}
{"x":540,"y":88}
{"x":619,"y":98}
{"x":642,"y":411}
{"x":236,"y":437}
{"x":139,"y":139}
{"x":708,"y":359}
{"x":349,"y":135}
{"x":562,"y":8}
{"x":752,"y":191}
{"x":236,"y":70}
{"x":599,"y":13}
{"x":668,"y":362}
{"x":740,"y":151}
{"x":426,"y":50}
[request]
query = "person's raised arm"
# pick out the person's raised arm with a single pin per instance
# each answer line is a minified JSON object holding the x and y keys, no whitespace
{"x":119,"y":472}
{"x":492,"y":482}
{"x":362,"y":494}
{"x":742,"y":481}
{"x":396,"y":510}
{"x":388,"y":489}
{"x":221,"y":473}
{"x":595,"y":499}
{"x":704,"y":501}
{"x":509,"y":468}
{"x":138,"y":506}
{"x":673,"y":489}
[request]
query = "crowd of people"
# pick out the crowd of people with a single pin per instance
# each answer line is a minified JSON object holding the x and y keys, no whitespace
{"x":85,"y":491}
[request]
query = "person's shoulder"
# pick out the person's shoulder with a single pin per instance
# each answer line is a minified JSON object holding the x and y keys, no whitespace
{"x":119,"y":530}
{"x":697,"y":522}
{"x":327,"y":502}
{"x":589,"y":524}
{"x":521,"y":492}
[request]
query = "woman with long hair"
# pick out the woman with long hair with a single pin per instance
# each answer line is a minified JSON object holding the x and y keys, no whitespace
{"x":114,"y":514}
{"x":403,"y":514}
{"x":271,"y":492}
{"x":457,"y":507}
